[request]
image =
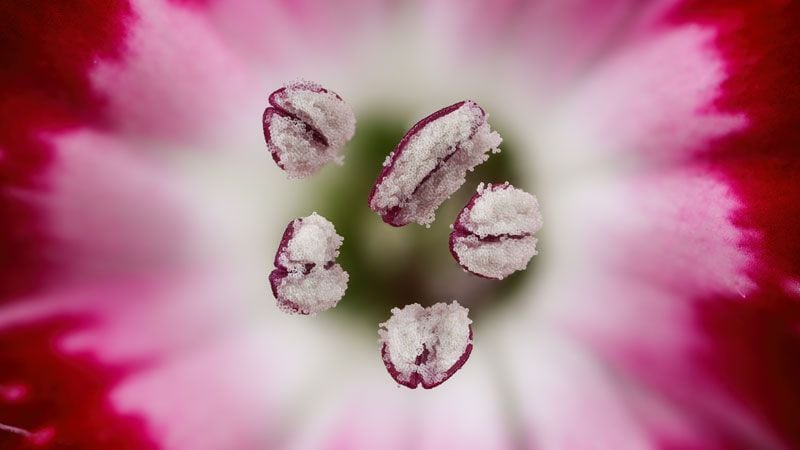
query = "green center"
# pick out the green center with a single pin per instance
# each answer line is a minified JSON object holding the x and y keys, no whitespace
{"x":391,"y":267}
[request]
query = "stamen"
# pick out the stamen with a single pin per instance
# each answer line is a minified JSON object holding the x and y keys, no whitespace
{"x":426,"y":345}
{"x":305,"y":127}
{"x":493,"y":235}
{"x":431,"y":162}
{"x":306,"y":280}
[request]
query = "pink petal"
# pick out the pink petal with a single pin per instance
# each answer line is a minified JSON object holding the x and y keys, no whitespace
{"x":305,"y":127}
{"x":109,"y":212}
{"x":186,"y":87}
{"x":687,"y":305}
{"x":754,"y":346}
{"x":44,"y":97}
{"x":196,"y":87}
{"x":367,"y":408}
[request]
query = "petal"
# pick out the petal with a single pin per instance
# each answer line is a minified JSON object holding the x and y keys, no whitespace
{"x":259,"y":30}
{"x":634,"y":109}
{"x":64,"y":395}
{"x":690,"y":297}
{"x":759,"y":51}
{"x":109,"y":212}
{"x":203,"y":86}
{"x":466,"y":412}
{"x":186,"y":87}
{"x":180,"y":347}
{"x":615,"y":317}
{"x":754,"y":346}
{"x":39,"y":97}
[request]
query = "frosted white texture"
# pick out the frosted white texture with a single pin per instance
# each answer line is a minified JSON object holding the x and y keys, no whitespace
{"x":495,"y":259}
{"x":442,"y":329}
{"x":292,"y":138}
{"x":313,"y":283}
{"x":314,"y":241}
{"x":462,"y":137}
{"x":324,"y":111}
{"x":493,"y":235}
{"x":503,"y":210}
{"x":300,"y":155}
{"x":314,"y":292}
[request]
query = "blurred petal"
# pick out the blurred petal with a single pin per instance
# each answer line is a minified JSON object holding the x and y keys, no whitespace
{"x":44,"y":87}
{"x":205,"y":84}
{"x":687,"y":300}
{"x":366,"y":410}
{"x":651,"y":101}
{"x":623,"y":297}
{"x":138,"y":217}
{"x":64,"y":400}
{"x":183,"y":87}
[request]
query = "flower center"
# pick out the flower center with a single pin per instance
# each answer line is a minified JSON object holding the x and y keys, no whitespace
{"x":392,"y":267}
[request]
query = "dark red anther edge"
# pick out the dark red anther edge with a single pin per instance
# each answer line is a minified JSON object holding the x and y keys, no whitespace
{"x":460,"y":230}
{"x":278,"y":101}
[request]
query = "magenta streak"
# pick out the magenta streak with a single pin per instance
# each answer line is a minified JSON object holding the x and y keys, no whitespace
{"x":492,"y":237}
{"x":456,"y":367}
{"x":422,"y":358}
{"x":413,"y":380}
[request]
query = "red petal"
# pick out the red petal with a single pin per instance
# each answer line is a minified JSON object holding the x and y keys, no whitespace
{"x":46,"y":53}
{"x":63,"y":398}
{"x":756,"y":341}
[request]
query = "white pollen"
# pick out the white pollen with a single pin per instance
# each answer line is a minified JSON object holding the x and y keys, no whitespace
{"x":426,"y":345}
{"x":324,"y":111}
{"x":300,"y":155}
{"x":493,"y":234}
{"x":314,"y":292}
{"x":503,"y":210}
{"x":434,"y":164}
{"x":306,"y":280}
{"x":496,"y":259}
{"x":313,"y":113}
{"x":314,"y":241}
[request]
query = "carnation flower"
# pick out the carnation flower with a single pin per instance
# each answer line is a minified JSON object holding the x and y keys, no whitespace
{"x":141,"y":214}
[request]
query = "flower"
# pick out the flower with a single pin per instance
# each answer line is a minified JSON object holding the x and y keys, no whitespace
{"x":141,"y":212}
